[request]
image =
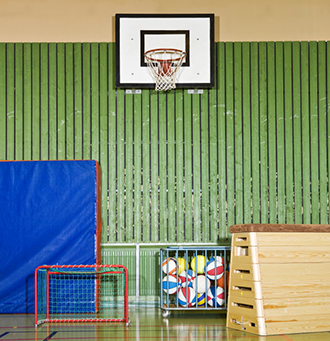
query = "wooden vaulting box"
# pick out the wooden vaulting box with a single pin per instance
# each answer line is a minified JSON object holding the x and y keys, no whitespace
{"x":279,"y":279}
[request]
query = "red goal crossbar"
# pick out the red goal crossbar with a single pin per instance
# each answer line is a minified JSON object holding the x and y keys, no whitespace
{"x":81,"y":293}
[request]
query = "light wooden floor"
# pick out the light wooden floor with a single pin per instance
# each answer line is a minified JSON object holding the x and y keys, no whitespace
{"x":146,"y":324}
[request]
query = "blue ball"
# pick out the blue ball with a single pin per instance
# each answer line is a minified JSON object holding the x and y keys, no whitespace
{"x":215,"y":297}
{"x":187,"y":295}
{"x":171,"y":284}
{"x":189,"y":275}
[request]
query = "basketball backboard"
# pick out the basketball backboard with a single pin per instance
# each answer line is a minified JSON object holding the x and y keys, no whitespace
{"x":138,"y":33}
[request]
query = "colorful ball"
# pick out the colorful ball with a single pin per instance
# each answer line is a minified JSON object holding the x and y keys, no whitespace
{"x":182,"y":264}
{"x":215,"y":297}
{"x":187,"y":295}
{"x":187,"y":277}
{"x":201,"y":299}
{"x":201,"y":284}
{"x":171,"y":284}
{"x":221,"y":280}
{"x":214,"y":269}
{"x":169,"y":266}
{"x":200,"y":264}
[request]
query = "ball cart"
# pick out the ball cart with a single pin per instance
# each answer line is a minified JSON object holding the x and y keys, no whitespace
{"x":194,"y":278}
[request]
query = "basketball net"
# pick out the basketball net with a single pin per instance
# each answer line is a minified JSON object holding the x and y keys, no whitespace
{"x":164,"y":66}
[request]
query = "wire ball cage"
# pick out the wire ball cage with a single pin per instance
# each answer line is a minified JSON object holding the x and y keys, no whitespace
{"x":164,"y":65}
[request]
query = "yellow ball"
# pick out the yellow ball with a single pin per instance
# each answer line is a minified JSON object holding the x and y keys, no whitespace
{"x":182,"y":264}
{"x":201,"y":299}
{"x":200,"y":264}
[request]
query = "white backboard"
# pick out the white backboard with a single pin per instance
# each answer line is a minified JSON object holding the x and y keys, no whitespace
{"x":138,"y":33}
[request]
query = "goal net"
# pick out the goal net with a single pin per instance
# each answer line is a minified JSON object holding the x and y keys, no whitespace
{"x":81,"y":293}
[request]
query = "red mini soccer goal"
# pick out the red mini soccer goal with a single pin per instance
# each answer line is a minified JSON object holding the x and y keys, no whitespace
{"x":81,"y":293}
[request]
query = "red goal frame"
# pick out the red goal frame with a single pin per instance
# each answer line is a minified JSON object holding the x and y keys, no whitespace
{"x":43,"y":294}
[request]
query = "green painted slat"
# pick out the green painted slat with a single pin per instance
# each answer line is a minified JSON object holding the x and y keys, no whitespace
{"x":213,"y":159}
{"x":223,"y":225}
{"x":179,"y":165}
{"x":124,"y":256}
{"x":112,"y":138}
{"x":104,"y":136}
{"x":146,"y":166}
{"x":10,"y":90}
{"x":314,"y":138}
{"x":272,"y":133}
{"x":265,"y":120}
{"x":230,"y":143}
{"x":3,"y":115}
{"x":188,"y":198}
{"x":137,"y":169}
{"x":61,"y":119}
{"x":280,"y":146}
{"x":149,"y":283}
{"x":19,"y":101}
{"x":148,"y":276}
{"x":305,"y":130}
{"x":52,"y":101}
{"x":86,"y":79}
{"x":36,"y":102}
{"x":172,"y":228}
{"x":196,"y":167}
{"x":44,"y":100}
{"x":129,"y":208}
{"x":238,"y":133}
{"x":263,"y":124}
{"x":95,"y":101}
{"x":296,"y":79}
{"x":78,"y":90}
{"x":162,"y":168}
{"x":288,"y":132}
{"x":69,"y":101}
{"x":322,"y":133}
{"x":205,"y":166}
{"x":27,"y":113}
{"x":246,"y":107}
{"x":255,"y":132}
{"x":154,"y":166}
{"x":120,"y":113}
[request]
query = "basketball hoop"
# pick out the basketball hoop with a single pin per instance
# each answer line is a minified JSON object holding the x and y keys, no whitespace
{"x":164,"y":65}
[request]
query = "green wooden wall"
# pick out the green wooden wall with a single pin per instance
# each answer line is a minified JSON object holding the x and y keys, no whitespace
{"x":178,"y":167}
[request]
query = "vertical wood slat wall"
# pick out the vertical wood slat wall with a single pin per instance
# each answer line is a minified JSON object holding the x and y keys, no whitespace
{"x":179,"y":167}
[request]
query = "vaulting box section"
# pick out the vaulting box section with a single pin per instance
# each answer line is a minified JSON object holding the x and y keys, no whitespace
{"x":279,"y":279}
{"x":50,"y":214}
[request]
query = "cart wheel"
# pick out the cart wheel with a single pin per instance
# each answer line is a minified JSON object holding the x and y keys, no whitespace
{"x":166,"y":313}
